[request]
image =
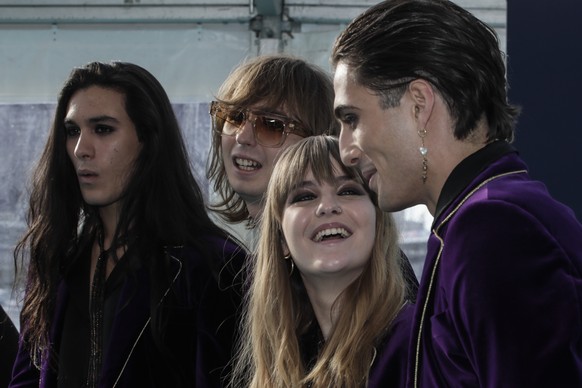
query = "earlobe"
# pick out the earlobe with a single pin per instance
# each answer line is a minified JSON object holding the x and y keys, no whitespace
{"x":285,"y":248}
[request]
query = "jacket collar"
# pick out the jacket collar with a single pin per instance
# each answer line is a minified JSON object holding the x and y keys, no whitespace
{"x":466,"y":172}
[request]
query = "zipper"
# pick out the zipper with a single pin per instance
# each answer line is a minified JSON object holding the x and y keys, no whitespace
{"x":148,"y":321}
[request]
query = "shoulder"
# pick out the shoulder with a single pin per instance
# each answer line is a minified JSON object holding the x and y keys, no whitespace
{"x":216,"y":259}
{"x":389,"y":367}
{"x":396,"y":342}
{"x":400,"y":329}
{"x":504,"y":239}
{"x":510,"y":213}
{"x":216,"y":249}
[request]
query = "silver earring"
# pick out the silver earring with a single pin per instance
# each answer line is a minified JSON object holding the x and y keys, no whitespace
{"x":288,"y":257}
{"x":423,"y":151}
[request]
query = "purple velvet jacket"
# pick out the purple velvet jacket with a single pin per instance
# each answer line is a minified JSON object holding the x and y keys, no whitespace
{"x":389,"y":367}
{"x":201,"y":326}
{"x":499,"y":303}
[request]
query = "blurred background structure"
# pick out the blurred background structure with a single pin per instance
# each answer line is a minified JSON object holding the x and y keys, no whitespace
{"x":191,"y":46}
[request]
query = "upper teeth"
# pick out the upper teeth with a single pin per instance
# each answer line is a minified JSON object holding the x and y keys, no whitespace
{"x":246,"y":163}
{"x":330,"y":232}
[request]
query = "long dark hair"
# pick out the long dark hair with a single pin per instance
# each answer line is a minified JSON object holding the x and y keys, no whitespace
{"x":163,"y":204}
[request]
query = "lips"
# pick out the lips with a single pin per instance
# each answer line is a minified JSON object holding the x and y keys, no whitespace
{"x":86,"y":175}
{"x":368,"y":173}
{"x":331,"y":232}
{"x":247,"y":164}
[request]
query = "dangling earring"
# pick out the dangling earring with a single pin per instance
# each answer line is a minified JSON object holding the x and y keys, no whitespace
{"x":288,"y":257}
{"x":423,"y":151}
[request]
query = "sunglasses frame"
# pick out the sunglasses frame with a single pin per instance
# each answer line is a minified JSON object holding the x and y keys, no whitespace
{"x":289,"y":125}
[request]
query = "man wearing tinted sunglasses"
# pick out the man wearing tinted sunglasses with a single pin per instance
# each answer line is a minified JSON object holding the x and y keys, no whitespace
{"x":264,"y":106}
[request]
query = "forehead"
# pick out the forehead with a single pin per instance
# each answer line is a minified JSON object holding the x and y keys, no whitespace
{"x":96,"y":98}
{"x":96,"y":101}
{"x":342,"y":80}
{"x":349,"y":93}
{"x":325,"y":171}
{"x":342,"y":72}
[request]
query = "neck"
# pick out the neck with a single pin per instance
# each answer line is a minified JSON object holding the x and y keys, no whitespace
{"x":109,"y":218}
{"x":323,"y":294}
{"x":446,"y":153}
{"x":254,"y":208}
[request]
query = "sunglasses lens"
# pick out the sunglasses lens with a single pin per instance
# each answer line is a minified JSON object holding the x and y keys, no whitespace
{"x":232,"y":116}
{"x":269,"y":131}
{"x":236,"y":117}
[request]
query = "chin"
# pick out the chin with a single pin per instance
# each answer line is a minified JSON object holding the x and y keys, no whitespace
{"x":388,"y":206}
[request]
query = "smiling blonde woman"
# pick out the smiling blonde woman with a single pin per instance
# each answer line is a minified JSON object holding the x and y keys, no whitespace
{"x":327,"y":305}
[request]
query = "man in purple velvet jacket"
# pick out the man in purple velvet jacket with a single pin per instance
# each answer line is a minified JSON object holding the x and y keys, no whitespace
{"x":421,"y":94}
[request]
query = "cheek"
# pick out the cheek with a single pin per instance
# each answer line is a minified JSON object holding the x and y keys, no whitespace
{"x":115,"y":158}
{"x":368,"y":220}
{"x":271,"y":155}
{"x":292,"y":225}
{"x":70,"y":147}
{"x":125,"y":157}
{"x":367,"y":140}
{"x":226,"y":144}
{"x":286,"y":225}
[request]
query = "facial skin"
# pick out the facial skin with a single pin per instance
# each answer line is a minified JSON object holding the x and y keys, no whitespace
{"x":249,"y":165}
{"x":346,"y":215}
{"x":102,"y":144}
{"x":384,"y":143}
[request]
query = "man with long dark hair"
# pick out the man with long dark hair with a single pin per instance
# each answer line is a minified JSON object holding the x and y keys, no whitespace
{"x":130,"y":284}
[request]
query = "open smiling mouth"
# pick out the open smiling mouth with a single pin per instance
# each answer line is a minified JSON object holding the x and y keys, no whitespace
{"x":331,"y":234}
{"x":247,"y":164}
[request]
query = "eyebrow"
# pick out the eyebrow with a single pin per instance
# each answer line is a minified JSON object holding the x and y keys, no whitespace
{"x":95,"y":120}
{"x":340,"y":178}
{"x":271,"y":112}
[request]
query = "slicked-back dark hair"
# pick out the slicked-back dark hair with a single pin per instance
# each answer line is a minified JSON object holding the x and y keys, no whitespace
{"x":400,"y":40}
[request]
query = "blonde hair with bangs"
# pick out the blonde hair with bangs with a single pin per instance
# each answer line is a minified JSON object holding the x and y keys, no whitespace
{"x":278,"y":312}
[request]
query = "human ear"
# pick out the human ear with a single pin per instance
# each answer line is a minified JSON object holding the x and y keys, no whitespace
{"x":422,"y":94}
{"x":286,"y":251}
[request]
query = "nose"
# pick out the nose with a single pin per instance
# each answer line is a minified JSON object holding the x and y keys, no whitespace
{"x":349,"y":152}
{"x":328,"y":205}
{"x":84,"y":147}
{"x":245,"y":135}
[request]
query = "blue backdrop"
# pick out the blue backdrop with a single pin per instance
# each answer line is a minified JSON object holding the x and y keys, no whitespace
{"x":544,"y":43}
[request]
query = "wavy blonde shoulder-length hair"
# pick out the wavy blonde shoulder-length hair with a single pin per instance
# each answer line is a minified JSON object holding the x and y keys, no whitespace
{"x":278,"y":311}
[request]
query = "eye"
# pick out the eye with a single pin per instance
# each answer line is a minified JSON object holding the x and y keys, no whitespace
{"x":301,"y":196}
{"x":349,"y":119}
{"x":72,"y":131}
{"x":236,"y":117}
{"x":103,"y":129}
{"x":272,"y":124}
{"x":352,"y":189}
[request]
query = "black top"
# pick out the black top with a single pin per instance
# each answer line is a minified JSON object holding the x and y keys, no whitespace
{"x":73,"y":362}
